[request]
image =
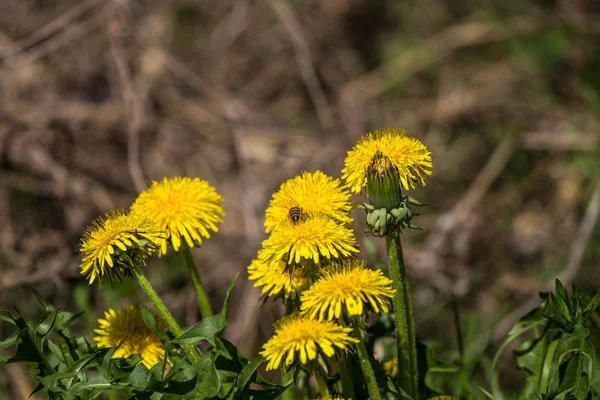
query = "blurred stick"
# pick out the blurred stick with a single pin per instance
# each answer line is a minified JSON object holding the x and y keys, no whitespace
{"x":429,"y":52}
{"x":305,"y":64}
{"x":131,"y":99}
{"x":60,"y":22}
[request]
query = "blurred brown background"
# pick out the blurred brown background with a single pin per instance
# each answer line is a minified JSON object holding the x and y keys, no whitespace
{"x":99,"y":96}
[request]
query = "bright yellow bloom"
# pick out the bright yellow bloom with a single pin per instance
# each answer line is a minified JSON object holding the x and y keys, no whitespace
{"x":126,"y":329}
{"x":345,"y":289}
{"x":410,"y":157}
{"x":311,"y":238}
{"x":311,"y":192}
{"x":183,"y":206}
{"x":391,"y":367}
{"x":297,"y":336}
{"x":277,"y":279}
{"x":116,"y":242}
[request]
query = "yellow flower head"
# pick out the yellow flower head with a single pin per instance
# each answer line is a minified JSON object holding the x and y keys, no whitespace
{"x":183,"y":206}
{"x":391,"y":367}
{"x":297,"y":336}
{"x":311,"y":238}
{"x":278,"y":279}
{"x":347,"y":288}
{"x":126,"y":329}
{"x":408,"y":155}
{"x":116,"y":242}
{"x":309,"y":193}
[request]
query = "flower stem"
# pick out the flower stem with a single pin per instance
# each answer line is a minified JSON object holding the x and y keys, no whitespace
{"x":289,"y":393}
{"x":321,"y":384}
{"x":365,"y":365}
{"x":405,"y":325}
{"x":163,"y":312}
{"x":203,"y":303}
{"x":347,"y":382}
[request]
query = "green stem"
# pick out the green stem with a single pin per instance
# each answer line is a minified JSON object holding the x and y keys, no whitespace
{"x":289,"y":393}
{"x":198,"y":287}
{"x":408,"y":375}
{"x":347,"y":382}
{"x":321,"y":384}
{"x":365,"y":365}
{"x":163,"y":312}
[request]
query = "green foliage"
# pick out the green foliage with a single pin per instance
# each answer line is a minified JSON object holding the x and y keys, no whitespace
{"x":71,"y":367}
{"x":558,"y":358}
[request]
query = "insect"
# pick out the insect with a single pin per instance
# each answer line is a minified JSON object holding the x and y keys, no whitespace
{"x":295,"y":213}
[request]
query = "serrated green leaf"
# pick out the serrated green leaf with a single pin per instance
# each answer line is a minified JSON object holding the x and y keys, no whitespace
{"x":7,"y":316}
{"x":11,"y":340}
{"x":208,"y":383}
{"x":210,"y":327}
{"x":246,"y":376}
{"x":46,"y":326}
{"x":150,"y":320}
{"x":593,"y":304}
{"x":139,"y":377}
{"x":531,"y":320}
{"x":40,"y":299}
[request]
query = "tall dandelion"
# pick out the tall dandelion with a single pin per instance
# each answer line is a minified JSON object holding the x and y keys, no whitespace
{"x":312,"y":239}
{"x":278,"y":280}
{"x":125,"y":329}
{"x":347,"y":289}
{"x":309,"y":193}
{"x":186,"y":208}
{"x":384,"y":163}
{"x":117,"y":243}
{"x":298,"y":339}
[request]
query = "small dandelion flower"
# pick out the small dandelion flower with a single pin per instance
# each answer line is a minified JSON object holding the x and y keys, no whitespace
{"x":278,"y":279}
{"x":300,"y":338}
{"x":347,"y":288}
{"x":311,"y":192}
{"x":312,"y":238}
{"x":126,"y":329}
{"x":116,"y":242}
{"x":184,"y":207}
{"x":391,"y":367}
{"x":408,"y":155}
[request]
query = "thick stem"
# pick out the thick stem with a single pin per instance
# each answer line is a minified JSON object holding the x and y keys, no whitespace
{"x":365,"y":365}
{"x":203,"y":303}
{"x":408,"y":375}
{"x":321,"y":384}
{"x":163,"y":312}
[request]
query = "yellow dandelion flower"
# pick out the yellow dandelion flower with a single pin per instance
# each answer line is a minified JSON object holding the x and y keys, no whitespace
{"x":311,"y":192}
{"x":391,"y":367}
{"x":408,"y":155}
{"x":116,"y":242}
{"x":277,"y":279}
{"x":126,"y":329}
{"x":347,"y":288}
{"x":311,"y":238}
{"x":301,"y":338}
{"x":184,"y":207}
